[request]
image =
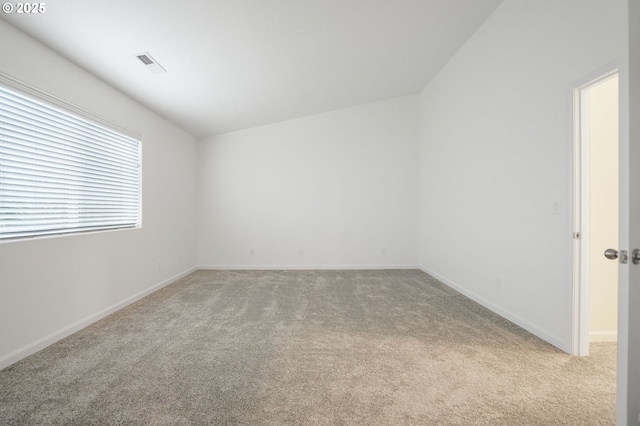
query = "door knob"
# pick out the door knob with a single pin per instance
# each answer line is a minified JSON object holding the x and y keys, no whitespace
{"x":624,"y":255}
{"x":611,"y":254}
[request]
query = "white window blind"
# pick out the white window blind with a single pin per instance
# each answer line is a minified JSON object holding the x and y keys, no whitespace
{"x":60,"y":173}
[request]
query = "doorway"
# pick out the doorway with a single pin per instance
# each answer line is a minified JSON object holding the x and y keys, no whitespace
{"x":596,"y":210}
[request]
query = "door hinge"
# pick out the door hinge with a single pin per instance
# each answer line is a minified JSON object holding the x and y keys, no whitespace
{"x":576,"y":235}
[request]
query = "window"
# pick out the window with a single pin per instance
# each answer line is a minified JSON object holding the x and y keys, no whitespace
{"x":61,"y":173}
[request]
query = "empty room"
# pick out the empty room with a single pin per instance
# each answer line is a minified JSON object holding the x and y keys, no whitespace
{"x":291,"y":212}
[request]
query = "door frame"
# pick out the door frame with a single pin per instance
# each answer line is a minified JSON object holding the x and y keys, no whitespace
{"x":580,"y":212}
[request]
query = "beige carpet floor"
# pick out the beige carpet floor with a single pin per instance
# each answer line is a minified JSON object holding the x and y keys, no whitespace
{"x":305,"y":348}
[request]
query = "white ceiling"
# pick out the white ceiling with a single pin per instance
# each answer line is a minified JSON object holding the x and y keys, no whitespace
{"x":234,"y":64}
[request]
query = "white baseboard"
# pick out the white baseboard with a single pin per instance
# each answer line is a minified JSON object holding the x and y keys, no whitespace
{"x":531,"y":328}
{"x":603,"y":336}
{"x":301,"y":267}
{"x":52,"y":338}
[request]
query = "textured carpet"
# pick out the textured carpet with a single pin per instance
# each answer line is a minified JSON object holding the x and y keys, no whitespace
{"x":308,"y":347}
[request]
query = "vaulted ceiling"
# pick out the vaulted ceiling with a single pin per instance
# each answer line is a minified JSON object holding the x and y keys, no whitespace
{"x":235,"y":64}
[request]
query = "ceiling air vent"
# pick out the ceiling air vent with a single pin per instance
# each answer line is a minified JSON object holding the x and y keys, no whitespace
{"x":150,"y":63}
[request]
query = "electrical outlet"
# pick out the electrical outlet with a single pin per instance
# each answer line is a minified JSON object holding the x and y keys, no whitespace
{"x":498,"y":283}
{"x":252,"y":252}
{"x":158,"y":264}
{"x":383,"y":251}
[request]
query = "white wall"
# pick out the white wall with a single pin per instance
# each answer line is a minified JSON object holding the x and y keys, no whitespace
{"x":496,"y":153}
{"x":341,"y":186}
{"x":603,"y":209}
{"x":50,"y":287}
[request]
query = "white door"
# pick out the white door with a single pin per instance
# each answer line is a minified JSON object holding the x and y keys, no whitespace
{"x":596,"y":207}
{"x":628,"y":403}
{"x":600,"y":208}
